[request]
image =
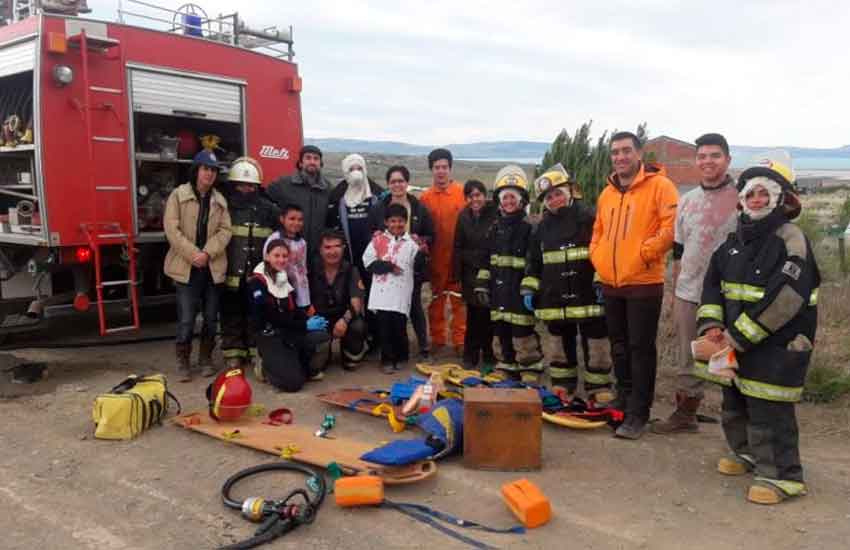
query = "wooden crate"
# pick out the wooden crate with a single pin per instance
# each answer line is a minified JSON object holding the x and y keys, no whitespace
{"x":502,"y":429}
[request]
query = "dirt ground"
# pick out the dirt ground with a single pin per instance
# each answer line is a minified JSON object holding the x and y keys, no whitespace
{"x":61,"y":488}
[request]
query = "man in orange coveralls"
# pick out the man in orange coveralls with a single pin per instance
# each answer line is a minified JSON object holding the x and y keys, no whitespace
{"x":444,"y":201}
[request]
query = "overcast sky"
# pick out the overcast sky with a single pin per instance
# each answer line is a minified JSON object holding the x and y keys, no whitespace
{"x":761,"y":72}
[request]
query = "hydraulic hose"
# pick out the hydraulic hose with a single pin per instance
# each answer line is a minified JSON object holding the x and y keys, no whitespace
{"x":278,"y":516}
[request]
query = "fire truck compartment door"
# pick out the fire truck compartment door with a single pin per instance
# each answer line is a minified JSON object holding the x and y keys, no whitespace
{"x":17,"y":58}
{"x":174,"y":95}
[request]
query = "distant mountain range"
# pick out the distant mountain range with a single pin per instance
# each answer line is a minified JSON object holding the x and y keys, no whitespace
{"x":478,"y":150}
{"x":523,"y":149}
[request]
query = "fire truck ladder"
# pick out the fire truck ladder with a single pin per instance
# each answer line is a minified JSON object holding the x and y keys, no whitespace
{"x":100,"y":233}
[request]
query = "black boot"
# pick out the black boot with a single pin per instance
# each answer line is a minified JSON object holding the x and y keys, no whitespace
{"x":182,"y":352}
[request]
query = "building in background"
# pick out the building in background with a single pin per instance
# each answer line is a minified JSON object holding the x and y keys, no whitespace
{"x":678,"y":158}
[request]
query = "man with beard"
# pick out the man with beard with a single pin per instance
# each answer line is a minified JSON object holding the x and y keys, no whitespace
{"x":310,"y":190}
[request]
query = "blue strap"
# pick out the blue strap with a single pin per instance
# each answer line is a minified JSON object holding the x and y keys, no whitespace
{"x":517,"y":529}
{"x":436,"y":525}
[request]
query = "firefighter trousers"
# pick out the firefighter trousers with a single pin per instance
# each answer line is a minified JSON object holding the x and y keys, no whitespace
{"x":237,"y":338}
{"x":765,"y":431}
{"x":288,"y":357}
{"x":561,"y":356}
{"x":518,"y":352}
{"x":352,"y":345}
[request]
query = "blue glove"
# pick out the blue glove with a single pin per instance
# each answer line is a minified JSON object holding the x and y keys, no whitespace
{"x":316,"y":322}
{"x":528,"y":302}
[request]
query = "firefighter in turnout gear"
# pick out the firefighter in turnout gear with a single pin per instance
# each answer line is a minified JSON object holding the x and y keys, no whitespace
{"x":497,"y":285}
{"x":759,"y":298}
{"x":559,"y":289}
{"x":253,"y":219}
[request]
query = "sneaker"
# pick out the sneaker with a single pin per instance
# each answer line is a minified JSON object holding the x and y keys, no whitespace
{"x":633,"y":428}
{"x":316,"y":376}
{"x":388,"y":368}
{"x":400,"y":366}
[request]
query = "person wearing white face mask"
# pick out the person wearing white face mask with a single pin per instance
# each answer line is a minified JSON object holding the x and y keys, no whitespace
{"x":349,"y":204}
{"x":348,"y":212}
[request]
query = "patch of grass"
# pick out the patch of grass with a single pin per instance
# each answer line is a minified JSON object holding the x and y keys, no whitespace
{"x":826,"y":383}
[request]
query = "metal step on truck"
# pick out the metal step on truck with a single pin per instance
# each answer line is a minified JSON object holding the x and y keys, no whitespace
{"x":100,"y":121}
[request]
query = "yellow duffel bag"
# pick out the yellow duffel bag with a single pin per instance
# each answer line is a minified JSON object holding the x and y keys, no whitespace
{"x":131,"y":407}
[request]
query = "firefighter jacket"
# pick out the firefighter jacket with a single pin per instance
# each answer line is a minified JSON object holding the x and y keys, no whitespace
{"x":559,"y":273}
{"x":273,"y":306}
{"x":634,"y":229}
{"x":253,"y":218}
{"x":504,"y":268}
{"x":470,"y":247}
{"x":761,"y":288}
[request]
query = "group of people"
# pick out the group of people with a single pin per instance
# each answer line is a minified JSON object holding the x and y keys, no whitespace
{"x":305,"y":263}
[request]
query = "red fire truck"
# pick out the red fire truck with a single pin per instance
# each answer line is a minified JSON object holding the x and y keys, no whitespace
{"x":100,"y":122}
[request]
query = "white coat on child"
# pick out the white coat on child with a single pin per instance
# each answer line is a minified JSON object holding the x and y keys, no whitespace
{"x":391,"y":291}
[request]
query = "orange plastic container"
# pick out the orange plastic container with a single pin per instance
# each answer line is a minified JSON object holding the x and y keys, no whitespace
{"x":527,"y":502}
{"x":359,"y":491}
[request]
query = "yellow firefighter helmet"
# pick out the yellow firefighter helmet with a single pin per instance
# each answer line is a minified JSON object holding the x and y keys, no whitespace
{"x":511,"y":177}
{"x":556,"y":176}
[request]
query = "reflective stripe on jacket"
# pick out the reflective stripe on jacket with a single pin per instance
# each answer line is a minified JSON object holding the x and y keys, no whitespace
{"x":763,"y":293}
{"x":559,"y":272}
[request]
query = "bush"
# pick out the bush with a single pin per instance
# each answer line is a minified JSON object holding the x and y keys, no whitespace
{"x":825,"y":383}
{"x":808,"y":222}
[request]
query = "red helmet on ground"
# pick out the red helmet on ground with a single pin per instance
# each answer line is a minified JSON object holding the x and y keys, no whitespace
{"x":229,"y":395}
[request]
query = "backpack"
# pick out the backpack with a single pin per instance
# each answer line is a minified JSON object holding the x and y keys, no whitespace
{"x":131,"y":407}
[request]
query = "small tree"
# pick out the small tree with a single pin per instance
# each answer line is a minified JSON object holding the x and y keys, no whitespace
{"x":589,"y":163}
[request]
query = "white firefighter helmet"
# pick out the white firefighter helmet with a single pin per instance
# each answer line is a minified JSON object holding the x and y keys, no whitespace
{"x":511,"y":177}
{"x":555,"y":176}
{"x":245,"y":170}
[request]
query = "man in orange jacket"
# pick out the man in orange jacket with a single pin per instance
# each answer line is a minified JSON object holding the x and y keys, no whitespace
{"x":633,"y":231}
{"x":444,"y":201}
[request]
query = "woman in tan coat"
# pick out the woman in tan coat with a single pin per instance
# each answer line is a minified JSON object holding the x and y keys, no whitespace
{"x":197,"y":225}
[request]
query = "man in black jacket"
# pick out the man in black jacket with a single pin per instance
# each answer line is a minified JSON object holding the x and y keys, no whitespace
{"x":310,"y":190}
{"x":338,"y":294}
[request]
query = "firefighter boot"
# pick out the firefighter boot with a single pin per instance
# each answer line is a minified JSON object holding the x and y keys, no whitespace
{"x":205,"y":361}
{"x":597,"y":371}
{"x":774,"y":491}
{"x":184,"y":372}
{"x":683,"y":419}
{"x":736,"y":465}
